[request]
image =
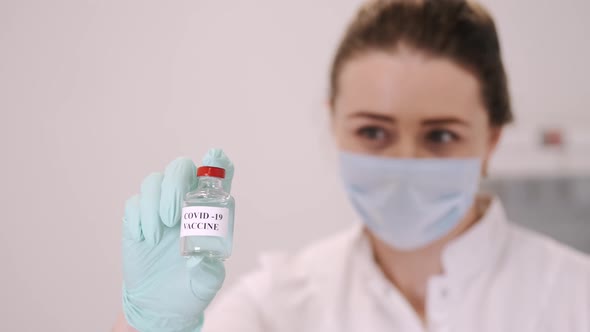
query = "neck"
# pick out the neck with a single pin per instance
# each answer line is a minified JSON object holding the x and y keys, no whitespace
{"x":410,"y":271}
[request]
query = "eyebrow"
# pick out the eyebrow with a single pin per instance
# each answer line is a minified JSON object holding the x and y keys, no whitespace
{"x":445,"y":121}
{"x":373,"y":116}
{"x":391,"y":119}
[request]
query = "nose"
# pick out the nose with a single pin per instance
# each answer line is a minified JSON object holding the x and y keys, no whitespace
{"x":404,"y":148}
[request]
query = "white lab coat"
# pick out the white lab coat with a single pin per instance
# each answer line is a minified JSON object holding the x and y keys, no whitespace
{"x":498,"y":278}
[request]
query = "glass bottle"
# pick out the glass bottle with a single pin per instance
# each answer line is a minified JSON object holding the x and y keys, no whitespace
{"x":207,"y":221}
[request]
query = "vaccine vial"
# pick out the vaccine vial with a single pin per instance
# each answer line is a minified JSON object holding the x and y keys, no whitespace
{"x":207,"y":224}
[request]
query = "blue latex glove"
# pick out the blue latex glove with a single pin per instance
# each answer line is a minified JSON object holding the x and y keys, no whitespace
{"x":163,"y":291}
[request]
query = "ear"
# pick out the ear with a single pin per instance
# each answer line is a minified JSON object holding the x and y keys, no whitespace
{"x":495,"y":135}
{"x":493,"y":140}
{"x":329,"y":107}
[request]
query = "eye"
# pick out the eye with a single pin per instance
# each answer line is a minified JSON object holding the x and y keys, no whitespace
{"x":441,"y":136}
{"x":373,"y":133}
{"x":374,"y":137}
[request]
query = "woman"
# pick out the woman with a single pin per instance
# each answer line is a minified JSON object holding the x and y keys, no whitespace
{"x":418,"y":100}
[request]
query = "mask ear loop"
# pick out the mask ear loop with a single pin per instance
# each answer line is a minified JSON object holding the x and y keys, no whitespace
{"x":485,"y":193}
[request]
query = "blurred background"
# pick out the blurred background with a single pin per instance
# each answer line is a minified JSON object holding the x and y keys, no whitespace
{"x":94,"y":95}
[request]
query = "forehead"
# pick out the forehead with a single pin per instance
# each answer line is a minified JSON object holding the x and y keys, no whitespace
{"x":407,"y":83}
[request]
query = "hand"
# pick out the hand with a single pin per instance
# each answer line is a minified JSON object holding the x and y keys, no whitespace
{"x":162,"y":290}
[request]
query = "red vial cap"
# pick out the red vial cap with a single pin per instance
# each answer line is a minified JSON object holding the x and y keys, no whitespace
{"x":211,"y":171}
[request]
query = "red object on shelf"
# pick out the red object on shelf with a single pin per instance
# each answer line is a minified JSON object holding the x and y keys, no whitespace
{"x":553,"y":138}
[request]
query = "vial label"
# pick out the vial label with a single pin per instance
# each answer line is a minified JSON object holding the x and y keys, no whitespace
{"x":204,"y":221}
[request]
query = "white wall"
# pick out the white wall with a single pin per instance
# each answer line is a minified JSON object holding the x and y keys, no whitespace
{"x":546,"y":51}
{"x":95,"y":95}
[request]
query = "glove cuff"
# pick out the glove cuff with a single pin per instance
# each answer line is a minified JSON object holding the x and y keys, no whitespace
{"x":145,"y":321}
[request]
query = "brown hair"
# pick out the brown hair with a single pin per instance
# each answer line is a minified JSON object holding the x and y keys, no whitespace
{"x":461,"y":31}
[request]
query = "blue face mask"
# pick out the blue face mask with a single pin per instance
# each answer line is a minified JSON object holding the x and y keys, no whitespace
{"x":410,"y":203}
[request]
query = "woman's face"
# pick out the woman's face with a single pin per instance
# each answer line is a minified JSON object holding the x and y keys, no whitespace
{"x":410,"y":105}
